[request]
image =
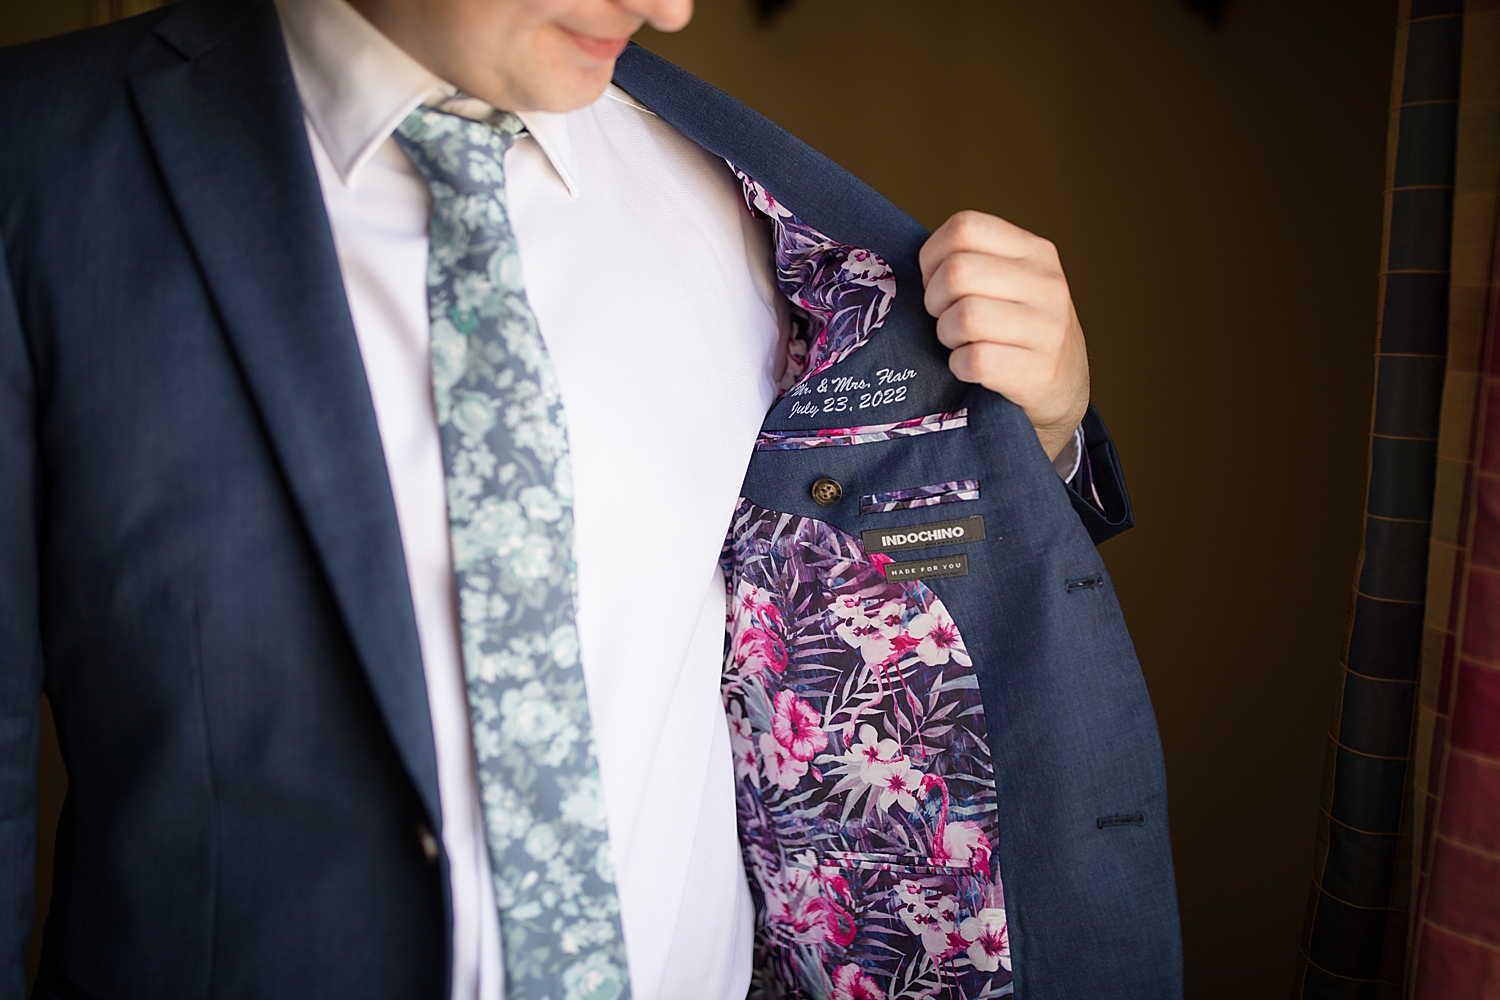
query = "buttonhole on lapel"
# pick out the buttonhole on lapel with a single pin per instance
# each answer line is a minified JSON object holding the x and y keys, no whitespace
{"x":1086,"y":583}
{"x":1122,"y":819}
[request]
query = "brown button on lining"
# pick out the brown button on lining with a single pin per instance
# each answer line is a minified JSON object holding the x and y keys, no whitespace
{"x":827,"y":492}
{"x":428,"y":841}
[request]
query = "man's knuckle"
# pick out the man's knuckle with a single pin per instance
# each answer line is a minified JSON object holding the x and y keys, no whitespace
{"x":960,"y":272}
{"x":1044,"y":250}
{"x":1053,"y":294}
{"x":966,"y":313}
{"x":967,"y":226}
{"x":948,"y":329}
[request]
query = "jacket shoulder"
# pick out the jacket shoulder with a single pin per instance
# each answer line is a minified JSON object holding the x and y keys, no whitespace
{"x":53,"y":91}
{"x":49,"y":75}
{"x":63,"y":101}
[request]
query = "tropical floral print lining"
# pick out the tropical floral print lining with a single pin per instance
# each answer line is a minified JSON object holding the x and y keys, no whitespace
{"x":920,"y":496}
{"x":840,"y":294}
{"x":863,"y":779}
{"x":832,"y":436}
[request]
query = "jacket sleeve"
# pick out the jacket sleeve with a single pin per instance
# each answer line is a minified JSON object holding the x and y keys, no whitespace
{"x":1098,"y":489}
{"x":20,"y":642}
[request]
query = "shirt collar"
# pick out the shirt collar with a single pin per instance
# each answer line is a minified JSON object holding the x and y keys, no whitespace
{"x":357,"y":86}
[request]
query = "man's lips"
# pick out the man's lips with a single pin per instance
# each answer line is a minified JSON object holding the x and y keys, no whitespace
{"x":598,"y":48}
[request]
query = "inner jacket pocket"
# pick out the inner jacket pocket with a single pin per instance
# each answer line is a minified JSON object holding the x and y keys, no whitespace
{"x":827,"y":437}
{"x":920,"y":496}
{"x":900,"y":864}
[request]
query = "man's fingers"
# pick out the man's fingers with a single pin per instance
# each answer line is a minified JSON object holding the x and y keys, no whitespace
{"x":1004,"y":310}
{"x":970,"y":273}
{"x":1026,"y":378}
{"x":976,"y":232}
{"x":1015,"y":372}
{"x":1012,"y":324}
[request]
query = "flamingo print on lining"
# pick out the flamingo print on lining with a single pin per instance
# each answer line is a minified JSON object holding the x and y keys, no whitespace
{"x":863,"y":780}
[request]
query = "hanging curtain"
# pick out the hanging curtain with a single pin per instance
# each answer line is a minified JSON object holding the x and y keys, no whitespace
{"x":1454,"y":945}
{"x":1354,"y":938}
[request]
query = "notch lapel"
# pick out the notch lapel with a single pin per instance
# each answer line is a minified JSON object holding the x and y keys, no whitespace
{"x":227,"y":129}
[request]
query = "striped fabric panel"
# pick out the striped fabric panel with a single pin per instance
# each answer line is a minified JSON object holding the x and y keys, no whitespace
{"x":1354,"y":938}
{"x":920,"y":496}
{"x":836,"y":436}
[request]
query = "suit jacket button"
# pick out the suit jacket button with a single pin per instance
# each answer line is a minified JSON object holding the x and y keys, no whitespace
{"x":827,"y":492}
{"x":429,"y":843}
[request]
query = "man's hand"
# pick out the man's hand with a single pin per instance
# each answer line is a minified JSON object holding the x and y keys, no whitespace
{"x":1003,"y":306}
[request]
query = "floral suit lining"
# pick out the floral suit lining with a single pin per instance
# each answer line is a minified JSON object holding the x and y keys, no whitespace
{"x":863,"y":779}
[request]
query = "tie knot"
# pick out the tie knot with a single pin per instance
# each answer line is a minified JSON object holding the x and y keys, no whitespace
{"x":457,"y":153}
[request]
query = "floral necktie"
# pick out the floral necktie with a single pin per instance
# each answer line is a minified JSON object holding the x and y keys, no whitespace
{"x":510,"y":513}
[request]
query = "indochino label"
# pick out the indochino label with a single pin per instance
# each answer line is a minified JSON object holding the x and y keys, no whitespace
{"x":927,"y":569}
{"x":924,"y":536}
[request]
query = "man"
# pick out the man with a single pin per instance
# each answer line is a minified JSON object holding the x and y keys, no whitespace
{"x":376,"y":675}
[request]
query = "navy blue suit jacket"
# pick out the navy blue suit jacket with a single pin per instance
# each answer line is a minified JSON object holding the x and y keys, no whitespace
{"x":200,"y":562}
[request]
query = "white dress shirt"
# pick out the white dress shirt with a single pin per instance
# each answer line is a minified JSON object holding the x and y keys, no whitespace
{"x":653,"y":288}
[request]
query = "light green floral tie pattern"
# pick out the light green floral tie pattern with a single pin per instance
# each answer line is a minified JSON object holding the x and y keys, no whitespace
{"x":510,"y":510}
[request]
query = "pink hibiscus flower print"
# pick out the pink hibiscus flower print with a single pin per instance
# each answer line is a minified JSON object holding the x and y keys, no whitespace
{"x":851,"y":983}
{"x":991,"y":942}
{"x":937,"y":639}
{"x":781,"y":767}
{"x":798,"y":727}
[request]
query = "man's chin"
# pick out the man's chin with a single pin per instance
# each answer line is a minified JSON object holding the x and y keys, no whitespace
{"x":569,"y":89}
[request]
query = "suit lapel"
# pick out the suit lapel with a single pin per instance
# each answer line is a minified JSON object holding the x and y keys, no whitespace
{"x":226,"y":125}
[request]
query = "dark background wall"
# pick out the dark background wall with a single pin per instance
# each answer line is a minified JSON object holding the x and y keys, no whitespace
{"x":1216,"y":195}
